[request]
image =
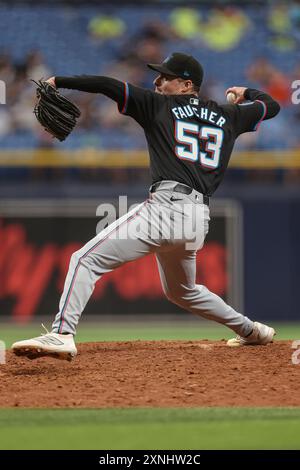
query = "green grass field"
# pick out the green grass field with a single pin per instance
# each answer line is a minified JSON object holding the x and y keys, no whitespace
{"x":197,"y":428}
{"x":121,"y":331}
{"x":207,"y":428}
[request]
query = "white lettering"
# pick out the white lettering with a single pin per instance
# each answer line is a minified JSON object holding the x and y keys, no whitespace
{"x":180,"y":459}
{"x":204,"y":113}
{"x":108,"y":214}
{"x":296,"y":354}
{"x":2,"y":92}
{"x":188,"y":111}
{"x":182,"y":113}
{"x":110,"y":460}
{"x":2,"y":352}
{"x":212,"y":117}
{"x":196,"y":112}
{"x":221,"y":121}
{"x":175,"y":111}
{"x":296,"y":93}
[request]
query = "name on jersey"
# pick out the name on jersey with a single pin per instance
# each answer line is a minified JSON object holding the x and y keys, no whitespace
{"x":184,"y":112}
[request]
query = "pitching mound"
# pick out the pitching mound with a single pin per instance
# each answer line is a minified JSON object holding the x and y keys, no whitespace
{"x":155,"y":374}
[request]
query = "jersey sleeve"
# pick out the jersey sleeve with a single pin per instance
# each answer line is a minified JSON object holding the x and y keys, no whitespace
{"x":246,"y":117}
{"x":141,"y":104}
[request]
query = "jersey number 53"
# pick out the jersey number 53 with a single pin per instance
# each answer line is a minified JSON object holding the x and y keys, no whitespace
{"x":189,"y":135}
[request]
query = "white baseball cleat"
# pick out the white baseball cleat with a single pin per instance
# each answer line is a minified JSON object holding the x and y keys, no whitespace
{"x":50,"y":344}
{"x":261,"y":334}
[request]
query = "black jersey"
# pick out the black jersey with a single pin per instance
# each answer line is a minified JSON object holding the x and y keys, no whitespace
{"x":189,"y":140}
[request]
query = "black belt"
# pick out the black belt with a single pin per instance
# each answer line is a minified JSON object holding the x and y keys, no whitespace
{"x":179,"y":188}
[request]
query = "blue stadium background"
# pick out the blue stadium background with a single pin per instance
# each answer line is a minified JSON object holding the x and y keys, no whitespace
{"x":63,"y":35}
{"x":259,"y":48}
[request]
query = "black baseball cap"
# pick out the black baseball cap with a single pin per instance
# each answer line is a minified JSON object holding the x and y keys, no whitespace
{"x":180,"y":65}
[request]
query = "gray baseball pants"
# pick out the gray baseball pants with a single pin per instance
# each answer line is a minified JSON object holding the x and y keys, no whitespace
{"x":171,"y":225}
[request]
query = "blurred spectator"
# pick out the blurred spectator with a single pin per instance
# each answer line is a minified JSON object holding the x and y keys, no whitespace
{"x":213,"y":89}
{"x":15,"y":89}
{"x":280,"y":26}
{"x":154,"y":28}
{"x":224,"y":28}
{"x":5,"y":121}
{"x":148,"y":46}
{"x":185,"y":22}
{"x":22,"y":114}
{"x":7,"y":69}
{"x":128,"y":68}
{"x":104,"y":27}
{"x":295,"y":19}
{"x":294,"y":12}
{"x":124,"y":46}
{"x":271,"y":80}
{"x":145,"y":46}
{"x":88,"y":107}
{"x":35,"y":66}
{"x":149,"y":49}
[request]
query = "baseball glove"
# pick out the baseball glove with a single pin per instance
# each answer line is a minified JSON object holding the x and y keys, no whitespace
{"x":54,"y":111}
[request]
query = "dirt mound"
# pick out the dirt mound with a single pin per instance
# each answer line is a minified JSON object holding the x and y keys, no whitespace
{"x":155,"y":374}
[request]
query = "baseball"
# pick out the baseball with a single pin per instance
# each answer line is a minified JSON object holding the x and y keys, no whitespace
{"x":231,"y":97}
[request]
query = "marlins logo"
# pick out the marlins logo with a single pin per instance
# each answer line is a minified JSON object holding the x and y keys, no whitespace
{"x":168,"y":58}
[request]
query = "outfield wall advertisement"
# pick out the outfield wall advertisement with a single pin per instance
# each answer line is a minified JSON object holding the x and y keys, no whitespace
{"x":38,"y":238}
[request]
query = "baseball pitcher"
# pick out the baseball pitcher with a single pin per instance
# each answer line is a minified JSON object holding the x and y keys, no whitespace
{"x":189,"y":142}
